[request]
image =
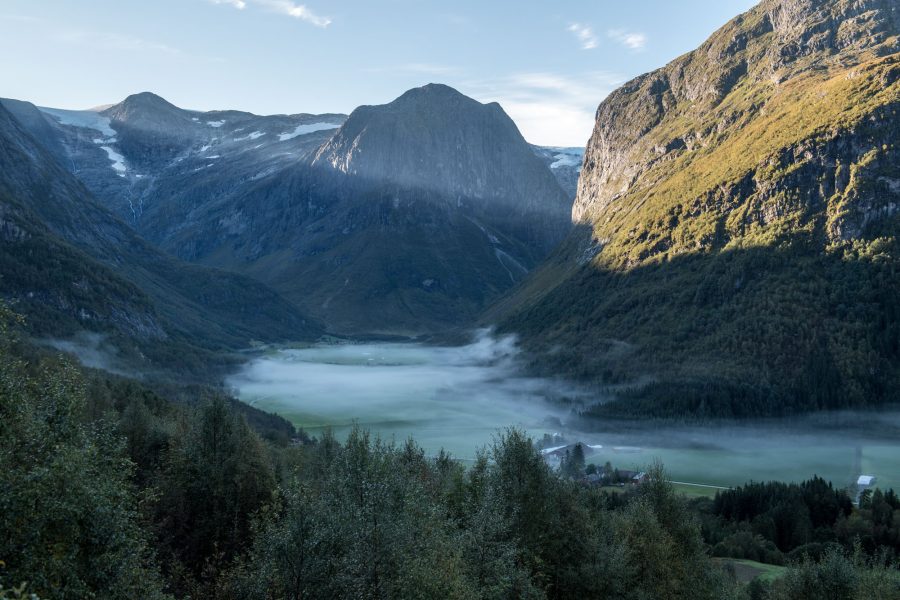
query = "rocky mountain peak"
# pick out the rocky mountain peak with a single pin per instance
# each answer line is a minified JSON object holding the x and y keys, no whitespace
{"x":146,"y":110}
{"x":696,"y":101}
{"x":437,"y":139}
{"x":433,"y":95}
{"x":803,"y":28}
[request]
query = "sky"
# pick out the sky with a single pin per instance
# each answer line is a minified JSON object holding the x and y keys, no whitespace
{"x":548,"y":63}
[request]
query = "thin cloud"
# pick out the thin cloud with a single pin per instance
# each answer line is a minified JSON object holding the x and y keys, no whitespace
{"x":238,"y":4}
{"x":549,"y":109}
{"x":585,"y":35}
{"x":632,"y":40}
{"x":282,"y":7}
{"x":116,"y":41}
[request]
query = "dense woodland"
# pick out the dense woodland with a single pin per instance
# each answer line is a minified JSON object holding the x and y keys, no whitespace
{"x":108,"y":490}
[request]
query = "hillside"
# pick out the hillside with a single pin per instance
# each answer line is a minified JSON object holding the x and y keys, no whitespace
{"x":70,"y":265}
{"x":735,"y":250}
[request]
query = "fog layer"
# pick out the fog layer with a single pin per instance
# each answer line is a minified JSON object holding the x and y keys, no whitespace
{"x":454,"y":398}
{"x":457,"y":398}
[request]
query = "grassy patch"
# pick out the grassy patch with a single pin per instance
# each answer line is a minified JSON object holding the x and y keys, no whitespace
{"x":748,"y":570}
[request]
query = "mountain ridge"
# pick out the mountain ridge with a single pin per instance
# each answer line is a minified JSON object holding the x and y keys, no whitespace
{"x":448,"y":208}
{"x":181,"y":307}
{"x":736,"y":225}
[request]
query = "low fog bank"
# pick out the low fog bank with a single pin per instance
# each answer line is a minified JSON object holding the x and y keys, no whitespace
{"x":454,"y":398}
{"x":94,"y":351}
{"x":838,"y":446}
{"x":457,"y":398}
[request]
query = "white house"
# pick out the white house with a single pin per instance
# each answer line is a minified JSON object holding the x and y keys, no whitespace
{"x":865,"y":481}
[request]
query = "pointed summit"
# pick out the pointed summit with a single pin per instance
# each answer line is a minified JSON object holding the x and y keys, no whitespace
{"x":433,"y":93}
{"x":146,"y":108}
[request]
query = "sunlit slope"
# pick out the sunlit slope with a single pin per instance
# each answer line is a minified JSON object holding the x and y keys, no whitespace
{"x":737,"y":211}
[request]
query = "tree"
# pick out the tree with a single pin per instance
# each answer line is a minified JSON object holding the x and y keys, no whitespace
{"x":68,"y":515}
{"x":215,"y":476}
{"x":573,"y":462}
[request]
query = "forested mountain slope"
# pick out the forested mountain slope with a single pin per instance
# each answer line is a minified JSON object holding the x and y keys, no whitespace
{"x":736,"y":238}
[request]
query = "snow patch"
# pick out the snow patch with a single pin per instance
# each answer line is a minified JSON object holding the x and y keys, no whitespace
{"x":215,"y":123}
{"x":304,"y":129}
{"x":252,"y":136}
{"x":118,"y":161}
{"x":566,"y":160}
{"x":86,"y":119}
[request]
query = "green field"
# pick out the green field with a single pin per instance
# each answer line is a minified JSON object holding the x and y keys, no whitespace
{"x":774,"y":457}
{"x":748,"y":570}
{"x":691,"y":490}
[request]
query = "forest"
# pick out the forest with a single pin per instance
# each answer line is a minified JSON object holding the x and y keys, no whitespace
{"x":109,"y":489}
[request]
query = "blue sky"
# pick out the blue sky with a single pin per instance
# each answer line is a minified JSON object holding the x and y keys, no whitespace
{"x":549,"y":63}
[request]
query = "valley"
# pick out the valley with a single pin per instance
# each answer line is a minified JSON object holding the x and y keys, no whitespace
{"x":456,"y":399}
{"x":418,"y":340}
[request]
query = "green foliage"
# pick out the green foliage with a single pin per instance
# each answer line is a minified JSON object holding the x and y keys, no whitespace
{"x":236,"y":517}
{"x":69,"y":523}
{"x":573,"y":462}
{"x":742,"y":333}
{"x":371,"y":520}
{"x":215,"y":474}
{"x":777,"y":522}
{"x":837,"y":576}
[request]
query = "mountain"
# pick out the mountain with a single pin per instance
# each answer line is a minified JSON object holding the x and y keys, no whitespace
{"x":136,"y":156}
{"x":435,"y":139}
{"x":400,"y":219}
{"x":735,"y":249}
{"x":70,"y":265}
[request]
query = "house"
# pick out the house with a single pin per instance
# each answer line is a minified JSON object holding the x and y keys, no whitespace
{"x":593,"y":479}
{"x":640,"y":478}
{"x":625,"y":474}
{"x":555,"y":454}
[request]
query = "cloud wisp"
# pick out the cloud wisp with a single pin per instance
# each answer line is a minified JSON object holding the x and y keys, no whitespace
{"x":116,"y":41}
{"x":282,"y":7}
{"x":550,"y":109}
{"x":238,"y":4}
{"x":633,"y":40}
{"x":585,"y":35}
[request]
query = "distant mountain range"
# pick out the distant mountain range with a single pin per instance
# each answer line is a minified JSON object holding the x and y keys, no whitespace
{"x":403,"y":219}
{"x":735,"y":245}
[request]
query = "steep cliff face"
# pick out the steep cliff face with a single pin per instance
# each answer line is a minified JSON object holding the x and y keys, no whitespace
{"x":782,"y":77}
{"x":743,"y":175}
